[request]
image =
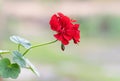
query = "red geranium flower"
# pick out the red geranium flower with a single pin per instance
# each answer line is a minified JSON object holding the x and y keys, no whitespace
{"x":65,"y":29}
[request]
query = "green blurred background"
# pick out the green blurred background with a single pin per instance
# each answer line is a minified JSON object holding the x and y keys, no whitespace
{"x":96,"y":58}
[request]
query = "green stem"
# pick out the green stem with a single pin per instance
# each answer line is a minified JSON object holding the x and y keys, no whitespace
{"x":38,"y":46}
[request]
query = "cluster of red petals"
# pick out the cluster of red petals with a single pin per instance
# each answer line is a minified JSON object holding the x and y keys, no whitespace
{"x":65,"y":28}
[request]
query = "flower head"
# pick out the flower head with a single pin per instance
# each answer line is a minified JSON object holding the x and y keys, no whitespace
{"x":65,"y":28}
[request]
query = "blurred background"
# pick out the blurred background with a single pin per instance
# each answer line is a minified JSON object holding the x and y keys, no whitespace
{"x":96,"y":58}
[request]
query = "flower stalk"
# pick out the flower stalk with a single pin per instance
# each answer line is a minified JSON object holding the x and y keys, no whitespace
{"x":38,"y":46}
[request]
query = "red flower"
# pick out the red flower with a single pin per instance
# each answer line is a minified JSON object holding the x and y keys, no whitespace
{"x":65,"y":28}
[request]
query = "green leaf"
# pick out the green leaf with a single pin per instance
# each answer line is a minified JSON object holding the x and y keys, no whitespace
{"x":32,"y":67}
{"x":19,"y":59}
{"x":4,"y":51}
{"x":23,"y":62}
{"x":9,"y":70}
{"x":23,"y":42}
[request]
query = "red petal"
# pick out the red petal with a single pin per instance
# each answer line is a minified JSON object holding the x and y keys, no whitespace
{"x":76,"y":26}
{"x":67,"y":37}
{"x":60,"y":14}
{"x":76,"y":37}
{"x":64,"y":20}
{"x":73,"y":20}
{"x":60,"y":37}
{"x":65,"y":42}
{"x":54,"y":23}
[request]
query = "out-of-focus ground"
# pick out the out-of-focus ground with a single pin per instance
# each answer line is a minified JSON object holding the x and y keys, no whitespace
{"x":96,"y":58}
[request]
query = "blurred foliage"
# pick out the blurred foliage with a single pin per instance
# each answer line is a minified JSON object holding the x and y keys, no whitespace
{"x":108,"y":26}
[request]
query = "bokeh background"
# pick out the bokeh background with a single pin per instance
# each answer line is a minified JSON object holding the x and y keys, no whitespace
{"x":96,"y":58}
